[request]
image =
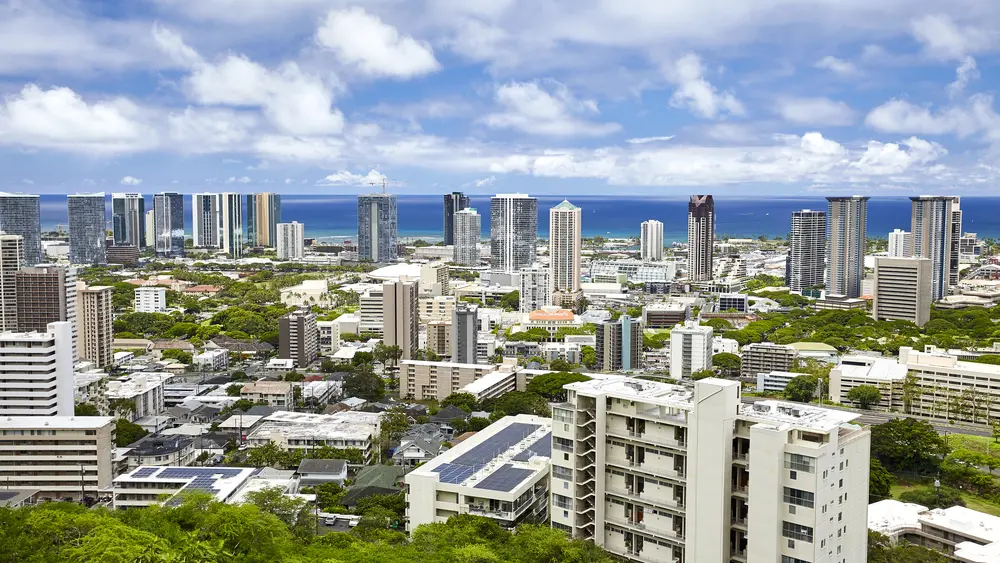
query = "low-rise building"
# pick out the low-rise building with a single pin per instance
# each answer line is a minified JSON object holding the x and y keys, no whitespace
{"x":146,"y":486}
{"x":212,"y":360}
{"x":419,"y":380}
{"x":665,"y":314}
{"x":765,"y":357}
{"x":161,"y":451}
{"x":738,"y":302}
{"x":314,"y":472}
{"x":775,"y":381}
{"x":304,"y":431}
{"x":143,"y":390}
{"x":552,"y":318}
{"x":962,"y":534}
{"x":277,"y":394}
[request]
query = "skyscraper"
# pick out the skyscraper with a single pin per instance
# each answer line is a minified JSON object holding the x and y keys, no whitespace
{"x":168,"y":224}
{"x":377,"y":228}
{"x":206,"y":225}
{"x":149,"y":226}
{"x":468,"y":232}
{"x":619,"y":344}
{"x":453,"y":203}
{"x":399,"y":316}
{"x":931,"y":235}
{"x":46,"y":294}
{"x":847,"y":219}
{"x":11,"y":259}
{"x":903,"y":289}
{"x":87,"y":229}
{"x":464,"y":329}
{"x":128,"y":219}
{"x":651,"y":240}
{"x":94,"y":318}
{"x":263,"y":216}
{"x":565,"y":240}
{"x":701,"y":237}
{"x":513,"y":231}
{"x":900,"y":243}
{"x":291,"y":240}
{"x":20,"y":215}
{"x":956,"y":241}
{"x":806,"y":250}
{"x":232,"y":225}
{"x":535,"y":287}
{"x":37,"y":378}
{"x":298,"y":337}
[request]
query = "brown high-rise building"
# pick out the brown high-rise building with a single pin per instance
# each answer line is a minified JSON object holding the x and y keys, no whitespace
{"x":399,"y":316}
{"x":701,"y":237}
{"x":94,"y":318}
{"x":46,"y":294}
{"x":298,"y":337}
{"x":262,"y":218}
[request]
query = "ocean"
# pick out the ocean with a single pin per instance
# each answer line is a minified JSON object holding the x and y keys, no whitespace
{"x":421,"y":216}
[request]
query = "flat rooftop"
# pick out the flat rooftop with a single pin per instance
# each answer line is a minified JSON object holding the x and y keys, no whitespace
{"x":637,"y":389}
{"x":345,"y":425}
{"x":795,"y":415}
{"x":221,"y":482}
{"x":877,"y":368}
{"x":55,"y":422}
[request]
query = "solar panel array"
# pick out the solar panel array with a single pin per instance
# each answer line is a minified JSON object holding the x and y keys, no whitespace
{"x":496,"y":444}
{"x":507,"y":478}
{"x":145,"y":472}
{"x":543,"y":448}
{"x":189,"y":472}
{"x":452,"y":473}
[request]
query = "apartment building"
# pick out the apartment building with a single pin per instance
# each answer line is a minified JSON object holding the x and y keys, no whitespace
{"x":298,"y":337}
{"x":277,"y":394}
{"x":46,"y":294}
{"x":765,"y":357}
{"x":303,"y":432}
{"x":144,"y":390}
{"x":438,"y":308}
{"x":370,"y":312}
{"x":690,"y":349}
{"x":439,"y":338}
{"x":36,"y":372}
{"x":150,"y":484}
{"x":212,"y":360}
{"x":420,"y":379}
{"x":651,"y":240}
{"x":654,"y":472}
{"x":94,"y":318}
{"x":11,"y":260}
{"x":399,"y":316}
{"x":619,"y":344}
{"x":464,"y":332}
{"x":664,"y":314}
{"x":150,"y":299}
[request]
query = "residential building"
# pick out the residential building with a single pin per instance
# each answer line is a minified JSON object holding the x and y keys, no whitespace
{"x":501,"y":473}
{"x":419,"y":380}
{"x":400,"y":324}
{"x":314,"y":472}
{"x":434,"y":279}
{"x":304,"y":432}
{"x":298,"y":337}
{"x":20,"y":214}
{"x":149,"y":224}
{"x":765,"y":357}
{"x":43,"y":442}
{"x":535,"y":291}
{"x":87,"y":229}
{"x":847,"y":219}
{"x":806,"y":250}
{"x":701,"y":237}
{"x":46,"y":294}
{"x":453,"y":203}
{"x":144,"y":390}
{"x":420,"y":444}
{"x":212,"y":360}
{"x":149,"y":485}
{"x":36,"y":372}
{"x":94,"y":315}
{"x":565,"y":240}
{"x":11,"y":260}
{"x":370,"y":307}
{"x":262,"y":218}
{"x":168,"y":224}
{"x":632,"y":271}
{"x":552,"y":318}
{"x":970,"y":248}
{"x":933,"y":229}
{"x":468,"y":229}
{"x":277,"y":394}
{"x":903,"y":289}
{"x":464,"y":325}
{"x":956,"y":242}
{"x":206,"y":220}
{"x":651,"y":240}
{"x":291,"y":241}
{"x":690,"y":349}
{"x":900,"y":243}
{"x":150,"y":299}
{"x":128,"y":216}
{"x":513,"y":231}
{"x":961,"y":534}
{"x":619,"y":344}
{"x":161,"y":451}
{"x":377,"y":228}
{"x":232,"y":225}
{"x":439,"y":308}
{"x":664,"y":314}
{"x":775,"y":381}
{"x":654,"y":472}
{"x":439,"y":338}
{"x":738,"y":302}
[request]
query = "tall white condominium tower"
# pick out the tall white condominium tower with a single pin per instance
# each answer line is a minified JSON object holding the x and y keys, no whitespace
{"x":690,"y":349}
{"x":263,"y":216}
{"x":807,"y":250}
{"x":651,"y":240}
{"x":291,"y":241}
{"x":168,"y":228}
{"x":701,"y":237}
{"x":464,"y":330}
{"x":20,"y":215}
{"x":206,"y":224}
{"x":513,"y":231}
{"x":564,"y":252}
{"x":902,"y":289}
{"x":655,"y":472}
{"x":128,"y":217}
{"x":36,"y":372}
{"x":232,"y":225}
{"x":453,"y":203}
{"x":399,"y":316}
{"x":377,"y":228}
{"x":467,"y":233}
{"x":11,"y":258}
{"x":149,"y":225}
{"x":899,"y":243}
{"x":93,"y":314}
{"x":932,"y":230}
{"x":87,"y":229}
{"x":847,"y":219}
{"x":535,"y":292}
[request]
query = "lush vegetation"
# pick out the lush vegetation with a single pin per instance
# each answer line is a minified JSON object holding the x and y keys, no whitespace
{"x":881,"y":550}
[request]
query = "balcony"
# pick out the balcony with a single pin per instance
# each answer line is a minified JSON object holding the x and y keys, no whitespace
{"x":741,"y":490}
{"x":738,"y":523}
{"x":647,"y":498}
{"x":738,"y":554}
{"x":741,"y":458}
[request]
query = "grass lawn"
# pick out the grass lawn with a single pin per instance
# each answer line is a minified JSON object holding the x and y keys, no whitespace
{"x":971,"y":501}
{"x":983,"y":444}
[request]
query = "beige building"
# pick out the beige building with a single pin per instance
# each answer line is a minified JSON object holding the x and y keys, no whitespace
{"x":438,"y":308}
{"x":277,"y":394}
{"x":420,"y":380}
{"x":298,"y":337}
{"x":434,"y":279}
{"x":399,"y":316}
{"x":94,"y":317}
{"x":551,"y":318}
{"x":564,"y":252}
{"x":46,"y":294}
{"x":765,"y":357}
{"x":847,"y":219}
{"x":11,"y":260}
{"x":439,"y":338}
{"x":902,"y":290}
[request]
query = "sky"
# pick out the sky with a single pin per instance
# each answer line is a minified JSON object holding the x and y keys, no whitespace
{"x":661,"y":97}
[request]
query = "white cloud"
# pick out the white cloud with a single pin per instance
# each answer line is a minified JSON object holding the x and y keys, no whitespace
{"x":899,"y":116}
{"x":129,"y":181}
{"x":483,"y":182}
{"x":239,"y":180}
{"x":531,"y":109}
{"x":644,"y":140}
{"x":893,"y":158}
{"x":201,"y":130}
{"x":347,"y":178}
{"x":815,"y":111}
{"x":365,"y":42}
{"x":173,"y":45}
{"x":288,"y":180}
{"x":945,"y":39}
{"x":27,"y":181}
{"x":965,"y":73}
{"x":695,"y":93}
{"x":837,"y":66}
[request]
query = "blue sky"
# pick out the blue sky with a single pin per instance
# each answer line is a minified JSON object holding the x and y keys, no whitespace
{"x":662,"y":97}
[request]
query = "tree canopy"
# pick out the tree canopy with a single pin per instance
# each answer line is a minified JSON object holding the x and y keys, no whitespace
{"x":550,"y":385}
{"x":364,"y":384}
{"x":865,"y":396}
{"x":727,"y":364}
{"x":908,"y":444}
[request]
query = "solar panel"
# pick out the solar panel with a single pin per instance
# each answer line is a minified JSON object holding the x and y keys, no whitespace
{"x":452,"y":473}
{"x":496,"y":444}
{"x":543,"y":448}
{"x":145,"y":472}
{"x":506,"y":479}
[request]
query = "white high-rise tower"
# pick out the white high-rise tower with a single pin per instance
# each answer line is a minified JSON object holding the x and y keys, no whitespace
{"x":651,"y":240}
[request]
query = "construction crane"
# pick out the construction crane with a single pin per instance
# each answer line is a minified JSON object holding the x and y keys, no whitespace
{"x":385,"y":181}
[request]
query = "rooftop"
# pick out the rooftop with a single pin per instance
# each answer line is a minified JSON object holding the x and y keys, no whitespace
{"x":641,"y":389}
{"x":55,"y":422}
{"x":872,"y":368}
{"x":345,"y":425}
{"x":795,"y":415}
{"x":892,"y":517}
{"x":267,"y":387}
{"x":551,"y":314}
{"x":813,"y":347}
{"x":396,"y":271}
{"x":219,"y":481}
{"x":329,"y":466}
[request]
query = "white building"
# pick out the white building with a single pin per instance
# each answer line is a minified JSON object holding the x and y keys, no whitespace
{"x":212,"y":360}
{"x":774,"y":381}
{"x":150,"y":299}
{"x":144,"y":390}
{"x":36,"y":372}
{"x":632,"y":271}
{"x":468,"y":232}
{"x":291,"y":241}
{"x":434,"y":279}
{"x":277,"y":394}
{"x":899,"y":243}
{"x":305,"y":431}
{"x":148,"y":485}
{"x":962,"y":534}
{"x":535,"y":289}
{"x":690,"y":349}
{"x":370,"y":311}
{"x":651,"y":240}
{"x":501,"y":473}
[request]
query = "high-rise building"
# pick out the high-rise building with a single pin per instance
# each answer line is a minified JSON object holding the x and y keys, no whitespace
{"x":513,"y":231}
{"x":679,"y":486}
{"x":467,"y":230}
{"x":298,"y":337}
{"x":47,"y":294}
{"x":932,"y":231}
{"x":232,"y":225}
{"x":651,"y":240}
{"x":150,"y":299}
{"x":900,"y":242}
{"x":377,"y":228}
{"x":36,"y":372}
{"x":619,"y":344}
{"x":464,"y":325}
{"x":168,"y":224}
{"x":128,"y":219}
{"x":206,"y":220}
{"x":439,"y":338}
{"x":565,"y":240}
{"x":956,"y":242}
{"x":690,"y":349}
{"x":903,"y":288}
{"x":701,"y":237}
{"x":806,"y":250}
{"x":399,"y":316}
{"x":11,"y":259}
{"x":453,"y":203}
{"x":291,"y":241}
{"x":150,"y":227}
{"x":87,"y":229}
{"x":94,"y":318}
{"x":534,"y":290}
{"x":20,"y":214}
{"x":847,"y":219}
{"x":263,"y":216}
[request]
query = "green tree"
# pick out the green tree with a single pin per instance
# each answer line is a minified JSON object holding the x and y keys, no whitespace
{"x":882,"y":550}
{"x":996,"y":430}
{"x":560,"y":364}
{"x":518,"y":402}
{"x":127,"y":433}
{"x":728,"y":364}
{"x":511,"y":301}
{"x":865,"y":396}
{"x":465,"y":401}
{"x":294,"y":512}
{"x":802,"y":388}
{"x":294,"y":376}
{"x":267,"y":455}
{"x":933,"y":497}
{"x":238,"y":376}
{"x":588,"y":356}
{"x":179,"y":356}
{"x":122,"y":408}
{"x":719,"y":324}
{"x":85,"y":409}
{"x":234,"y":390}
{"x":550,"y":385}
{"x":702,"y":374}
{"x":363,"y":358}
{"x":364,"y":384}
{"x":908,"y":444}
{"x":880,"y":482}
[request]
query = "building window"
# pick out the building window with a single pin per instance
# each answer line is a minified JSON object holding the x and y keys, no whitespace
{"x":800,"y":498}
{"x":562,"y":472}
{"x":787,"y":559}
{"x":796,"y":531}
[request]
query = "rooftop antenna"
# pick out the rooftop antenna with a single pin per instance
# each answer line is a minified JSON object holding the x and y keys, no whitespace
{"x":384,"y":182}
